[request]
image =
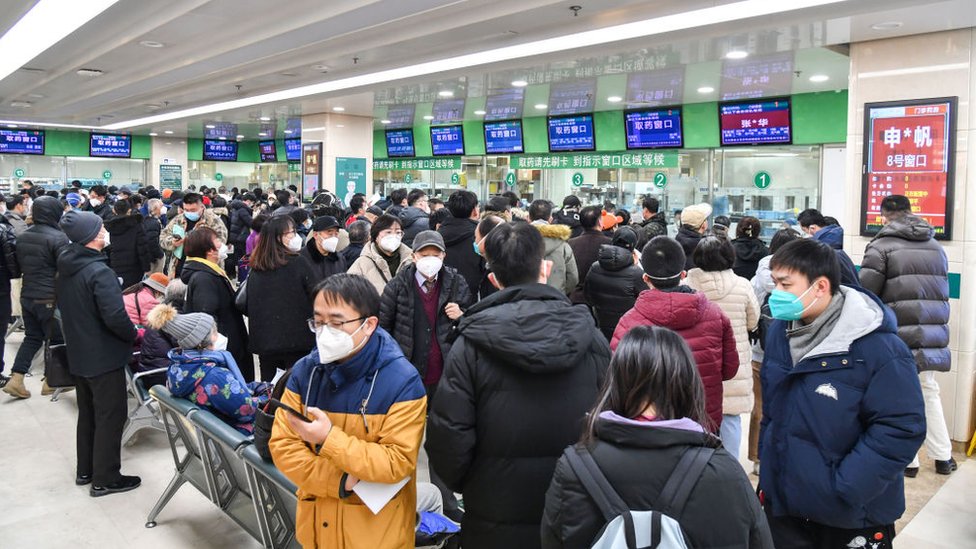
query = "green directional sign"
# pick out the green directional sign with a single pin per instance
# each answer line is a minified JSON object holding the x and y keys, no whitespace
{"x":763,"y":180}
{"x":660,"y":179}
{"x":107,"y":174}
{"x":219,"y":176}
{"x":20,"y":172}
{"x":408,"y":178}
{"x":455,"y":178}
{"x":510,"y":179}
{"x":577,"y":179}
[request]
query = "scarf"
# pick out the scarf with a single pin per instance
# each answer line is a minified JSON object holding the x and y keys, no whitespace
{"x":804,"y":338}
{"x":212,"y":265}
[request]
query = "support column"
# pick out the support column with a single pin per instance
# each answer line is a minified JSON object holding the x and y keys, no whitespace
{"x":342,"y":136}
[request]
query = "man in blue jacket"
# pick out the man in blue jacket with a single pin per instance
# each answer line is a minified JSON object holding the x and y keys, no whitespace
{"x":842,"y":408}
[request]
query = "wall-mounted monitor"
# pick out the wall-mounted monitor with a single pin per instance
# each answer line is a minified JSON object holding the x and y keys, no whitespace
{"x":654,"y":129}
{"x":107,"y":145}
{"x":293,"y":150}
{"x":572,"y":97}
{"x":504,"y":104}
{"x":447,"y":140}
{"x":504,"y":137}
{"x":222,"y":151}
{"x":571,"y":133}
{"x":22,"y":141}
{"x":399,"y":143}
{"x":269,"y":151}
{"x":756,"y":122}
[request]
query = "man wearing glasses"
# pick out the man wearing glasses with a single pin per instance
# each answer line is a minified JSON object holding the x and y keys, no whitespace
{"x":363,"y":407}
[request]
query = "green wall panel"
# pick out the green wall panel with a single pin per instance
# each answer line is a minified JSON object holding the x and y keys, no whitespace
{"x":535,"y":134}
{"x":700,"y":125}
{"x":609,"y":129}
{"x":248,"y":151}
{"x":141,"y":146}
{"x":379,"y":144}
{"x":60,"y":143}
{"x":820,"y":118}
{"x":474,"y":138}
{"x":194,"y":148}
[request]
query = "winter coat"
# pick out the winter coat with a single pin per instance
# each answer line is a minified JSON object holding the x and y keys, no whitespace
{"x":379,"y":444}
{"x":97,"y":331}
{"x":564,"y":275}
{"x":129,"y":255}
{"x":586,"y":250}
{"x":38,"y":248}
{"x":153,"y":228}
{"x":351,"y":253}
{"x":523,"y":372}
{"x":279,"y":304}
{"x":908,"y":270}
{"x":372,"y":265}
{"x":459,"y":239}
{"x":833,"y":236}
{"x":9,"y":267}
{"x":734,"y":295}
{"x":103,"y":210}
{"x":612,"y":286}
{"x":167,"y":237}
{"x":568,"y":217}
{"x":154,"y":354}
{"x":748,"y":252}
{"x":138,"y":304}
{"x":240,"y":224}
{"x":638,"y":458}
{"x":210,"y":379}
{"x":209,"y":291}
{"x":16,"y":221}
{"x":689,"y":239}
{"x":656,"y":225}
{"x":840,"y":426}
{"x":413,"y":220}
{"x":703,"y":326}
{"x":399,"y":308}
{"x":323,"y":266}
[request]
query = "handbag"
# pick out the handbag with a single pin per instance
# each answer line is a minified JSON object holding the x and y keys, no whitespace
{"x":56,"y":371}
{"x":240,"y":299}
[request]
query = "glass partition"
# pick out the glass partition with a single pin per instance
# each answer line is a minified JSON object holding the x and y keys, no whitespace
{"x":42,"y":170}
{"x":240,"y":174}
{"x":92,"y":171}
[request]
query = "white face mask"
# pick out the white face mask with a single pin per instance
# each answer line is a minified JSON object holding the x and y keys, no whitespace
{"x":307,"y":224}
{"x":222,"y":252}
{"x":107,"y":239}
{"x":95,"y":202}
{"x":330,"y":244}
{"x":334,"y":344}
{"x":295,"y":243}
{"x":429,"y":265}
{"x":220,"y":344}
{"x":390,"y":243}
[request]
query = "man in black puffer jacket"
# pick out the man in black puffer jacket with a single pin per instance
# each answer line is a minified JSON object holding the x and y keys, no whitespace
{"x":415,"y":218}
{"x":615,"y":281}
{"x":9,"y":269}
{"x":458,"y":233}
{"x":653,"y":222}
{"x":524,"y":369}
{"x":905,"y":267}
{"x":37,"y":253}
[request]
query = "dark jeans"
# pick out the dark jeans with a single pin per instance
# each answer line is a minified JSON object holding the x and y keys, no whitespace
{"x":39,"y":326}
{"x":797,"y":533}
{"x":271,"y":363}
{"x":102,"y":412}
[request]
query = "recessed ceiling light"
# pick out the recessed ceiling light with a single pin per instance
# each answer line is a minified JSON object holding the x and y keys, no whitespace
{"x":169,"y":142}
{"x":265,"y":119}
{"x":819,"y":78}
{"x":519,"y":83}
{"x":168,"y":132}
{"x":320,"y":67}
{"x":240,"y":137}
{"x":428,"y":117}
{"x":887,"y":25}
{"x":182,"y":142}
{"x":339,"y":109}
{"x":210,"y":126}
{"x":222,"y":138}
{"x":11,"y":125}
{"x":480,"y":112}
{"x":288,"y":132}
{"x":737,"y":54}
{"x":541,"y":106}
{"x":153,"y":134}
{"x":445,"y":93}
{"x":89,"y":72}
{"x":21,"y":104}
{"x":385,"y":121}
{"x":614,"y":99}
{"x":151,"y":44}
{"x":263,"y":134}
{"x":706,"y":89}
{"x":36,"y":95}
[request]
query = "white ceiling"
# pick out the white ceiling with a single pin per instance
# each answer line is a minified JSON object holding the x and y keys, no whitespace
{"x":214,"y":46}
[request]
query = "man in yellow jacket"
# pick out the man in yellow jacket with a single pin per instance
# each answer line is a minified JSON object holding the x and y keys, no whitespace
{"x":367,"y":406}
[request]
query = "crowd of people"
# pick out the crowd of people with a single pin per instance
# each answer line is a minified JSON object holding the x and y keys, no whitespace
{"x":520,"y":341}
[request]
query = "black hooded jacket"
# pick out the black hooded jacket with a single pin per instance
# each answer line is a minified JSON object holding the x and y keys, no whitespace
{"x":612,"y":286}
{"x":38,"y":248}
{"x":207,"y":291}
{"x":524,"y":369}
{"x":570,"y":218}
{"x":689,"y":239}
{"x":459,"y":238}
{"x":97,"y":330}
{"x":240,"y":225}
{"x":414,"y":221}
{"x":748,"y":252}
{"x":130,"y":254}
{"x":9,"y":267}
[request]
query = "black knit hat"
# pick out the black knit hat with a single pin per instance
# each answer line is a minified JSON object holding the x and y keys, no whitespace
{"x":663,"y":259}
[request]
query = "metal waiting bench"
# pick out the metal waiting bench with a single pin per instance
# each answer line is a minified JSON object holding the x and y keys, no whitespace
{"x":146,"y":414}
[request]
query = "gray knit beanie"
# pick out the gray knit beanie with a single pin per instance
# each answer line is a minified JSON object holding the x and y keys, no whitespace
{"x":189,"y":330}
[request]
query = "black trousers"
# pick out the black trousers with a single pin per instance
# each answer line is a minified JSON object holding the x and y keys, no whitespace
{"x":797,"y":533}
{"x":271,"y":363}
{"x":102,"y":411}
{"x":39,"y":326}
{"x":451,"y":508}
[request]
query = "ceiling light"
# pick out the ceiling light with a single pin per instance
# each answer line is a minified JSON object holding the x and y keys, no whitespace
{"x":49,"y":124}
{"x":263,"y":134}
{"x":339,"y":109}
{"x":480,"y":112}
{"x":740,"y":11}
{"x":21,"y":104}
{"x":706,"y":89}
{"x":210,"y":126}
{"x":153,"y":134}
{"x":428,"y":117}
{"x":819,"y":78}
{"x":887,"y":25}
{"x":385,"y":121}
{"x":265,"y":119}
{"x":169,"y":142}
{"x":11,"y":125}
{"x":340,"y":126}
{"x":320,"y":67}
{"x":92,"y":73}
{"x":541,"y":106}
{"x":36,"y":95}
{"x":737,"y":54}
{"x":519,"y":83}
{"x":151,"y":44}
{"x":614,"y":99}
{"x":240,"y":137}
{"x":168,"y":132}
{"x":46,"y":24}
{"x":288,"y":132}
{"x":445,"y":93}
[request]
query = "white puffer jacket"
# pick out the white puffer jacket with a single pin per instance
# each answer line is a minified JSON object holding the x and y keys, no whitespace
{"x":735,"y":296}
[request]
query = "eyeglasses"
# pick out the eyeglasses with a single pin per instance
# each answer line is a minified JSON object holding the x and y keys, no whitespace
{"x":314,"y":325}
{"x":394,"y":233}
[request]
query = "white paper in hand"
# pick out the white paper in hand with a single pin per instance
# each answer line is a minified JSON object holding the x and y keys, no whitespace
{"x":376,"y":494}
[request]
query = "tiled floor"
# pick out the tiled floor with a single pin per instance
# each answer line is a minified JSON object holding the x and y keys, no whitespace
{"x":40,"y":507}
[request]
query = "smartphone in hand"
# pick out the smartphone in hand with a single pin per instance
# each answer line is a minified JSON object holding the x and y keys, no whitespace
{"x":279,"y":404}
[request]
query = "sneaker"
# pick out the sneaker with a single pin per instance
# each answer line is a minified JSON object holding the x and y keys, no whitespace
{"x":82,"y":480}
{"x":911,"y":472}
{"x":945,"y":467}
{"x":124,"y":484}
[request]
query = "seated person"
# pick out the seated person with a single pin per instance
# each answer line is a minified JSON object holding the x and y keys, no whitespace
{"x":140,"y":298}
{"x":202,"y":371}
{"x":156,"y":344}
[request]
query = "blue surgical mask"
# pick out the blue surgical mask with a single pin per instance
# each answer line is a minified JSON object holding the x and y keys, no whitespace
{"x":476,"y":250}
{"x":784,"y":305}
{"x":192,"y":216}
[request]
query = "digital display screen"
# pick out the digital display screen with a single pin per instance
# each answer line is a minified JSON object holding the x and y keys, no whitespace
{"x":400,"y":116}
{"x":505,"y":104}
{"x":447,"y":140}
{"x":220,"y":150}
{"x":654,"y":129}
{"x":571,"y":133}
{"x":110,"y":146}
{"x":909,"y":150}
{"x":760,"y":122}
{"x":447,"y":111}
{"x":293,"y":150}
{"x":571,"y":97}
{"x":757,"y":77}
{"x":503,"y":137}
{"x":269,"y":151}
{"x":227,"y":130}
{"x":399,"y":143}
{"x":656,"y":88}
{"x":22,"y":141}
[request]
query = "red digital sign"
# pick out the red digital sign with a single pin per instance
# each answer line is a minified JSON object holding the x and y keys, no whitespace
{"x":909,"y":149}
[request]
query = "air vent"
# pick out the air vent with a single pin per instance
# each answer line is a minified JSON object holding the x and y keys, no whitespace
{"x":33,"y":70}
{"x":89,"y":72}
{"x":20,"y":104}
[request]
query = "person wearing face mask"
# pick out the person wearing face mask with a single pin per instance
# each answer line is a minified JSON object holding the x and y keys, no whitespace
{"x":385,"y":255}
{"x":303,"y":222}
{"x":367,"y":406}
{"x":481,"y":231}
{"x":98,"y":203}
{"x":129,"y":253}
{"x":99,"y":337}
{"x":209,"y":290}
{"x":194,"y":214}
{"x":280,"y":289}
{"x":320,"y":251}
{"x":415,"y":218}
{"x":203,"y":372}
{"x":843,"y":413}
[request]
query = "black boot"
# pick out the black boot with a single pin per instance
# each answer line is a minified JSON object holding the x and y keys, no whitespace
{"x":945,"y":467}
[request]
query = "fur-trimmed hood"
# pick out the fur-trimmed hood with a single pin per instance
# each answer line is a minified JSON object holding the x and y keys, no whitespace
{"x":560,"y":232}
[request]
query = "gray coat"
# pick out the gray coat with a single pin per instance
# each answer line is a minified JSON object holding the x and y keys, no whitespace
{"x":905,"y":267}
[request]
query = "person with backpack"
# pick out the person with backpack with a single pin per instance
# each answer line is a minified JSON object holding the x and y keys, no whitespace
{"x":644,"y":449}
